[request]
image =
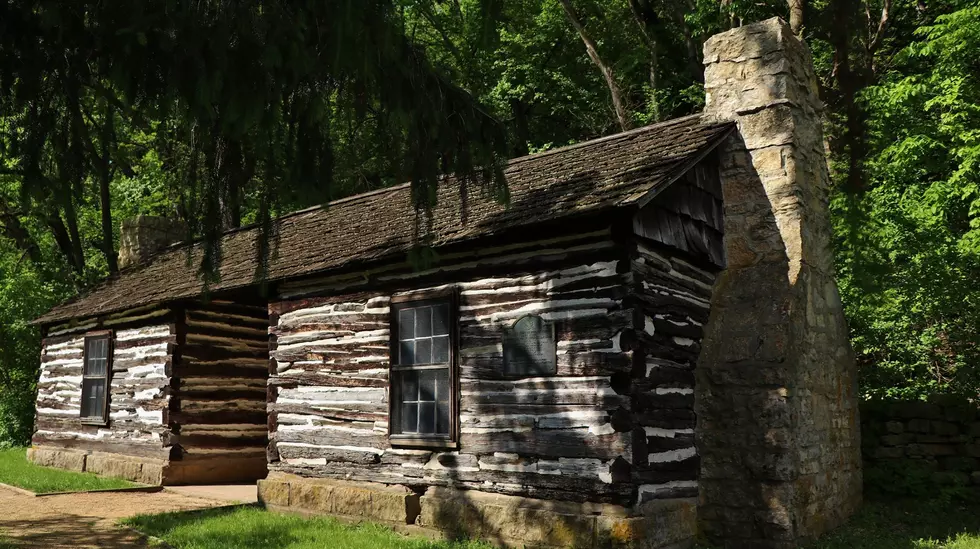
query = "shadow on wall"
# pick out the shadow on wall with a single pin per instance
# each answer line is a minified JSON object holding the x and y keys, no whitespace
{"x":568,"y":508}
{"x":744,"y":435}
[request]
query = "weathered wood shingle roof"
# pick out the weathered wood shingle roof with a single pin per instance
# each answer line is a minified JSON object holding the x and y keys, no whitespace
{"x":610,"y":172}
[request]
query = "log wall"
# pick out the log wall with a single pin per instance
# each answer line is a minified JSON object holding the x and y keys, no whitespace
{"x":671,"y":297}
{"x":615,"y":423}
{"x":217,"y":411}
{"x":143,"y":345}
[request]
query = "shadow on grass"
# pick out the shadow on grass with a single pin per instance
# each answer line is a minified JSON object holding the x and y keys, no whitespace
{"x":908,"y":524}
{"x":63,"y":531}
{"x":251,"y":526}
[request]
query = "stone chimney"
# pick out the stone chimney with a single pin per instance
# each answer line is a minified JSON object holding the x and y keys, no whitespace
{"x":777,"y":416}
{"x":145,"y":235}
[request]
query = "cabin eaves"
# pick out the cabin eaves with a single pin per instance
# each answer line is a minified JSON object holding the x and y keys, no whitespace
{"x":622,"y":170}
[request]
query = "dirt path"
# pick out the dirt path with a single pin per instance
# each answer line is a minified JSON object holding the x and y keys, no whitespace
{"x":83,"y":520}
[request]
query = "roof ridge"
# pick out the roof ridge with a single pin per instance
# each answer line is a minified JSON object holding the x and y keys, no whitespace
{"x":400,"y":186}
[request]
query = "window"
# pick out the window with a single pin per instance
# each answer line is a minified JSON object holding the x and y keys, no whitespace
{"x":423,"y":396}
{"x":95,"y":378}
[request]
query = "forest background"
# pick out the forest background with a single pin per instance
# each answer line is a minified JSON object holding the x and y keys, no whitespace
{"x":224,"y":113}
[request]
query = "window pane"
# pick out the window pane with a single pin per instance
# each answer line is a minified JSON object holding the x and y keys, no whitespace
{"x":406,"y":324}
{"x":423,"y":351}
{"x":442,"y":384}
{"x":96,"y":353}
{"x":407,"y":352}
{"x":427,"y":417}
{"x":93,"y":397}
{"x":410,"y":418}
{"x":440,"y":319}
{"x":423,"y":322}
{"x":442,"y":417}
{"x":427,"y":385}
{"x":410,"y":386}
{"x":440,"y":349}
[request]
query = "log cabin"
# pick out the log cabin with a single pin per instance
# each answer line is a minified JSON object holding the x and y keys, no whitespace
{"x":530,"y":380}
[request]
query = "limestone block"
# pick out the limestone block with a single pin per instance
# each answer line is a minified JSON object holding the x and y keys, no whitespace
{"x":945,"y":428}
{"x":661,"y":524}
{"x":919,"y":426}
{"x":888,"y":453}
{"x":152,"y":473}
{"x":274,"y":491}
{"x":114,"y":466}
{"x":510,"y":520}
{"x":393,"y":504}
{"x":71,"y":460}
{"x":894,"y":426}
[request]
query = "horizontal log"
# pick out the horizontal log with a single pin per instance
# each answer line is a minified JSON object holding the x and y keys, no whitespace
{"x":150,"y":450}
{"x":164,"y":362}
{"x":130,"y":344}
{"x":189,"y":368}
{"x":252,"y":321}
{"x":309,"y":379}
{"x":571,"y":443}
{"x":371,"y":412}
{"x":476,"y":399}
{"x":321,"y":436}
{"x":213,"y":441}
{"x":211,"y":353}
{"x":218,"y":417}
{"x":657,"y":303}
{"x":666,"y":401}
{"x":287,"y":451}
{"x":203,"y":394}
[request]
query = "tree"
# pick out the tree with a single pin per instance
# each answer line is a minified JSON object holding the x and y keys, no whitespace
{"x":239,"y":94}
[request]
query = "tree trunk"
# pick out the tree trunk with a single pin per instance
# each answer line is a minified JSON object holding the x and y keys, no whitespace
{"x":647,"y":20}
{"x":622,"y":115}
{"x":11,"y":227}
{"x":693,"y":48}
{"x":75,"y":239}
{"x":797,"y":10}
{"x":61,"y":237}
{"x":843,"y":13}
{"x":105,"y":176}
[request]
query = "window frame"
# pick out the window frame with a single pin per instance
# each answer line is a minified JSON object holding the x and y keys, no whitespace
{"x":102,"y":420}
{"x":447,"y":296}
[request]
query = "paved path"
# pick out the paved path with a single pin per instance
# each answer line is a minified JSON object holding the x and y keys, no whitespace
{"x":229,"y":493}
{"x":84,"y":520}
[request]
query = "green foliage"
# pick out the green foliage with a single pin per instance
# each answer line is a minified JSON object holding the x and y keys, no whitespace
{"x":909,"y":251}
{"x":17,"y":471}
{"x":253,"y":527}
{"x":23,"y":295}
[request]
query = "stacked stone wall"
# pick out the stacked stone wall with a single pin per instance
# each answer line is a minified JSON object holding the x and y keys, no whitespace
{"x":910,"y":446}
{"x":776,"y":406}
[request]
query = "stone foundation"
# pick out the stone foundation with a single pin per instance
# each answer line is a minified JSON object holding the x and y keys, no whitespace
{"x":135,"y":469}
{"x":507,"y":521}
{"x":151,"y":471}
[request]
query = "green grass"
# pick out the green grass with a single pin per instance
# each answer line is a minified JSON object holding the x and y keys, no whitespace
{"x":908,"y":525}
{"x":879,"y":525}
{"x":15,"y":470}
{"x":248,"y":527}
